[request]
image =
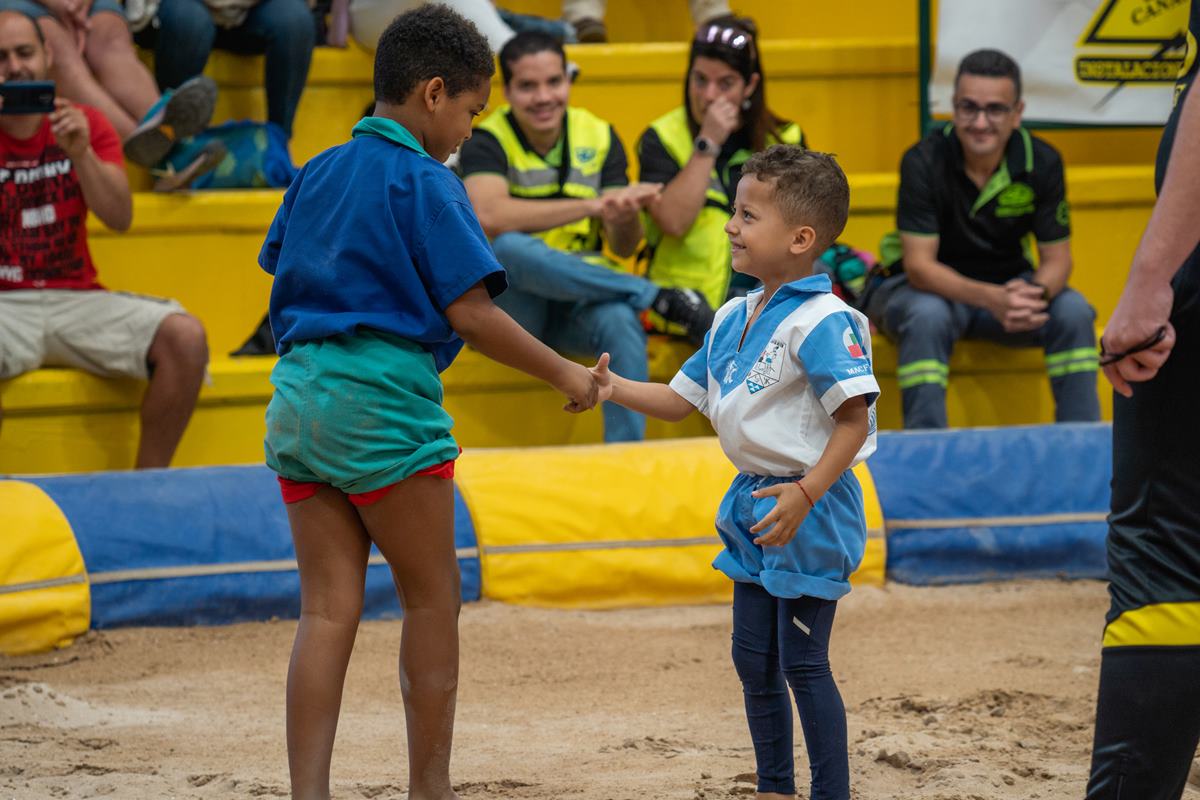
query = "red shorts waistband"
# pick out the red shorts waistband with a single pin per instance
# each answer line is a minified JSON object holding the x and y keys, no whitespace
{"x":295,"y":491}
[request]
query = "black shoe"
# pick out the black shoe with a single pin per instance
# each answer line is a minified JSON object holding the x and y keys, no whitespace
{"x":685,"y":307}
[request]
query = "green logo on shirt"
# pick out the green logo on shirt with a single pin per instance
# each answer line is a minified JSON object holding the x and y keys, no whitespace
{"x":1062,"y":215}
{"x":1015,"y":201}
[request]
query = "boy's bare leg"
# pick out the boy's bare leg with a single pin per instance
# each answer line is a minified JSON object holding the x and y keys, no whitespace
{"x":413,"y":526}
{"x":332,"y":548}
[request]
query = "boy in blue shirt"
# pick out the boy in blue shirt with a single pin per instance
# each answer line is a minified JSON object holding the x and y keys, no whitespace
{"x":381,"y":271}
{"x":785,"y":377}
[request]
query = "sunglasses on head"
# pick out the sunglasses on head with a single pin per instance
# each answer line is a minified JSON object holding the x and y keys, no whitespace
{"x":723,"y":35}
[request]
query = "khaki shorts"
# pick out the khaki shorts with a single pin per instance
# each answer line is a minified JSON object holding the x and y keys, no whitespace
{"x":105,"y":333}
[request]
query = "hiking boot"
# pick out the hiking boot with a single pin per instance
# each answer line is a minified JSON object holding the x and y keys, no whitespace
{"x":685,"y":307}
{"x":178,"y":114}
{"x":204,"y":160}
{"x":590,"y":31}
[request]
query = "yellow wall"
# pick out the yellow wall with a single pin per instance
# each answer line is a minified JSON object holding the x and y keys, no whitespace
{"x":668,"y":20}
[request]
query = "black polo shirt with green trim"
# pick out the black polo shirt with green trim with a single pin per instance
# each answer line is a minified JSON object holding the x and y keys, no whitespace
{"x":983,"y":233}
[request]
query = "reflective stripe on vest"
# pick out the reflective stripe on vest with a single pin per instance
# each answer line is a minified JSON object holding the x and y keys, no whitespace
{"x":700,"y":259}
{"x":589,"y":139}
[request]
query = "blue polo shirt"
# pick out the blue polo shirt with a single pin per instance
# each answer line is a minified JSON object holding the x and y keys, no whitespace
{"x":375,"y":234}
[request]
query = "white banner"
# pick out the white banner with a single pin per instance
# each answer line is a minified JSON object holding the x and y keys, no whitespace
{"x":1083,"y":62}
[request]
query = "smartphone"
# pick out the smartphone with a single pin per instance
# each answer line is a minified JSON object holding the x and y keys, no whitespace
{"x":27,"y":97}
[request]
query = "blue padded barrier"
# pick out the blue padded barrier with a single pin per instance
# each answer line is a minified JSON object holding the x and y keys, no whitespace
{"x":995,"y":503}
{"x":209,"y":545}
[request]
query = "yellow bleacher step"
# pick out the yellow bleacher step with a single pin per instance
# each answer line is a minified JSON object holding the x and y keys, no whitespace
{"x":203,"y":248}
{"x":60,"y":420}
{"x":855,"y":96}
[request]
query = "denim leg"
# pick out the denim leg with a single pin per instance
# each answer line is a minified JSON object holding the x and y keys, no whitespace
{"x":804,"y":627}
{"x":285,"y":32}
{"x":1072,"y":360}
{"x":768,"y":712}
{"x":182,"y":38}
{"x":612,"y":328}
{"x":925,"y":326}
{"x":556,"y":275}
{"x":530,"y":311}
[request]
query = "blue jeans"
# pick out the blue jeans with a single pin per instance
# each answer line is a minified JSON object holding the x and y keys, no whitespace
{"x":780,"y":642}
{"x":580,"y":308}
{"x":183,"y":34}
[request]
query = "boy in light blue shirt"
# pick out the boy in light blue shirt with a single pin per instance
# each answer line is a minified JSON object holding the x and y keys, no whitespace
{"x":785,"y":377}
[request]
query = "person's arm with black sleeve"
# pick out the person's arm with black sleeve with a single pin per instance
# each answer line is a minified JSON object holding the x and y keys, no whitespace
{"x":1052,"y":229}
{"x":485,"y":174}
{"x":682,"y":198}
{"x":1171,"y":235}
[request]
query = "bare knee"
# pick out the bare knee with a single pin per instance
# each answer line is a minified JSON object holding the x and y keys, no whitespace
{"x":181,"y":342}
{"x":109,"y":37}
{"x":68,"y":65}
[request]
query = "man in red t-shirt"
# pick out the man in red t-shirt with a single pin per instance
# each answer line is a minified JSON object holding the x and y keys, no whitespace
{"x":53,"y":168}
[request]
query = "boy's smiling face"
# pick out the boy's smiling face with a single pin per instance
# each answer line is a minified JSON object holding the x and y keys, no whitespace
{"x":452,"y":118}
{"x":762,"y":242}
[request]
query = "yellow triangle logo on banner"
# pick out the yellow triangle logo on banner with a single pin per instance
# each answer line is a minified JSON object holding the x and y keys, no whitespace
{"x":1135,"y":22}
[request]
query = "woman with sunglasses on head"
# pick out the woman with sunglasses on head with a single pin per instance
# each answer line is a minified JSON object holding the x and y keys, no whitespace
{"x":697,"y":150}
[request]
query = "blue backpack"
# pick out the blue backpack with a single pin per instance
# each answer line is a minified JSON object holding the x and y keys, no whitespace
{"x":257,"y":156}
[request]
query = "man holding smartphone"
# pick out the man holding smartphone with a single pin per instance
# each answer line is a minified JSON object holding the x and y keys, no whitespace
{"x":54,"y":167}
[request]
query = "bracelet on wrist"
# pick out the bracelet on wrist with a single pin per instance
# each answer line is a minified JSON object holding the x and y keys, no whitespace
{"x":807,"y":496}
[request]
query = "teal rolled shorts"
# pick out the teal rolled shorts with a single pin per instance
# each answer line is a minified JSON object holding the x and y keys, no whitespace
{"x":358,"y":412}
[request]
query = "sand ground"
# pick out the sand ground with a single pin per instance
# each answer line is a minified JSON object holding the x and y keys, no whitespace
{"x":958,"y":693}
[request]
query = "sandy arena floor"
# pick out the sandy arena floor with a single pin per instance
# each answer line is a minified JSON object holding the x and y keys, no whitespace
{"x":963,"y":693}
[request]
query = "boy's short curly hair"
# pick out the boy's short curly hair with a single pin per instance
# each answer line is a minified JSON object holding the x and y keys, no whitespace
{"x":810,"y":188}
{"x":432,"y":41}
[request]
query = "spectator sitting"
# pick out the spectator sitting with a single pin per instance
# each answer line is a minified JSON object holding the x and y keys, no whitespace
{"x":93,"y":62}
{"x":367,"y":19}
{"x":697,"y":151}
{"x":53,"y":168}
{"x":184,"y":33}
{"x":587,"y":16}
{"x":971,"y":191}
{"x":549,"y":184}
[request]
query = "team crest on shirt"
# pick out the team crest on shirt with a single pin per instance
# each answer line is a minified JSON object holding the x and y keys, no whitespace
{"x":767,"y":368}
{"x":584,"y":154}
{"x":852,"y":344}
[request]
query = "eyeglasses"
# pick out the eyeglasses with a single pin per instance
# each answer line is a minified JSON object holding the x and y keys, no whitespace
{"x":733,"y":38}
{"x":967,"y":111}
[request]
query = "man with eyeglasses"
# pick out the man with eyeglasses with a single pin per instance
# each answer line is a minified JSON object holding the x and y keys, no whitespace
{"x":971,"y":193}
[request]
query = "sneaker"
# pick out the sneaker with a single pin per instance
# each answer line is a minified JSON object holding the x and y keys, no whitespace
{"x":685,"y":307}
{"x":178,"y":114}
{"x":202,"y":161}
{"x":559,"y":29}
{"x":590,"y":31}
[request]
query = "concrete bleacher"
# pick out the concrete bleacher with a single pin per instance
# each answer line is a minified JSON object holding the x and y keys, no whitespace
{"x":854,"y":90}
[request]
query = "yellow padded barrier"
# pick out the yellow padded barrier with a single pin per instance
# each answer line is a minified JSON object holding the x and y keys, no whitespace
{"x":610,"y":526}
{"x":44,"y":598}
{"x":1159,"y":625}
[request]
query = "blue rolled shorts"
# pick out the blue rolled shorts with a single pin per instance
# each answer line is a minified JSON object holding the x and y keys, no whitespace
{"x":819,"y":559}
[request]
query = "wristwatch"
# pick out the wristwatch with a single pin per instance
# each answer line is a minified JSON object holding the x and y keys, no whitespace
{"x":706,"y":146}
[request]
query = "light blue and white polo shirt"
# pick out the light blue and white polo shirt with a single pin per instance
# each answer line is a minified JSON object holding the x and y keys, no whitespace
{"x":771,"y":398}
